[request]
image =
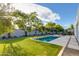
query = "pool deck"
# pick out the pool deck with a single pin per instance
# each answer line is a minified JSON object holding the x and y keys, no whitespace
{"x":63,"y":41}
{"x":70,"y":52}
{"x":70,"y":45}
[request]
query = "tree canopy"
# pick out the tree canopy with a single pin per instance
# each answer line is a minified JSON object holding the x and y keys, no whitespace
{"x":27,"y":22}
{"x":54,"y":27}
{"x":5,"y":19}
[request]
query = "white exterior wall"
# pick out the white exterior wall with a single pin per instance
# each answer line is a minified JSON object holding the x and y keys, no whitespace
{"x":76,"y":26}
{"x":4,"y":35}
{"x":19,"y":33}
{"x":33,"y":33}
{"x":76,"y":30}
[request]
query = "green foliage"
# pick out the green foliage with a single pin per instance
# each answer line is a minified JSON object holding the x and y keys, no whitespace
{"x":22,"y":19}
{"x":71,"y":26}
{"x":5,"y":25}
{"x":70,"y":30}
{"x":20,"y":24}
{"x":50,"y":25}
{"x":5,"y":18}
{"x":59,"y":28}
{"x":20,"y":14}
{"x":54,"y":27}
{"x":28,"y":22}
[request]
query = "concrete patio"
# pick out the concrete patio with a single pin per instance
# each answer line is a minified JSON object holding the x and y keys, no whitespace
{"x":70,"y":44}
{"x":73,"y":43}
{"x":70,"y":52}
{"x":63,"y":40}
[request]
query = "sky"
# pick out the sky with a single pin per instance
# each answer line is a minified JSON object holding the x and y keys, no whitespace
{"x":67,"y":12}
{"x":63,"y":14}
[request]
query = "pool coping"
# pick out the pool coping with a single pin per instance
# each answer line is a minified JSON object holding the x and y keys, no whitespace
{"x":46,"y":36}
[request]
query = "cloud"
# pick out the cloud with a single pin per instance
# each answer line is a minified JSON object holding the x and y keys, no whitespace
{"x":44,"y":13}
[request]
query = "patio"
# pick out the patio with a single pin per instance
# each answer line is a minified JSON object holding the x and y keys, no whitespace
{"x":70,"y":52}
{"x":69,"y":43}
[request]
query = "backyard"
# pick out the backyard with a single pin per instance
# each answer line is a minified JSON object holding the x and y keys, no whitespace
{"x":20,"y":27}
{"x":26,"y":46}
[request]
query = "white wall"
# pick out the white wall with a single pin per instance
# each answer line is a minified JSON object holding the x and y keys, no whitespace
{"x":77,"y":33}
{"x":76,"y":29}
{"x":19,"y":33}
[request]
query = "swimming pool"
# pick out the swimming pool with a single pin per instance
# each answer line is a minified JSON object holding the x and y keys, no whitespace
{"x":47,"y":38}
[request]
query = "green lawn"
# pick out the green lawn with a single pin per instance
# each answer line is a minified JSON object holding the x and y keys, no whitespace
{"x":25,"y":46}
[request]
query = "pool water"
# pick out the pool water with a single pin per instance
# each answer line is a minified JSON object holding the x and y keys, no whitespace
{"x":47,"y":38}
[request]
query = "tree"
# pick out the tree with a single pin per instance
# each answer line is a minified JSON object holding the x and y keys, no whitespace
{"x":71,"y":26}
{"x":5,"y":25}
{"x":53,"y":27}
{"x":27,"y":22}
{"x":70,"y":29}
{"x":5,"y":19}
{"x":21,"y":20}
{"x":50,"y":27}
{"x":59,"y":28}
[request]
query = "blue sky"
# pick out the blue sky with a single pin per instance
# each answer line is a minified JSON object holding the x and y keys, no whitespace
{"x":66,"y":11}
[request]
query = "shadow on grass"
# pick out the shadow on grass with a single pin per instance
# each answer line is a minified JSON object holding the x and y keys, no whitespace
{"x":17,"y":50}
{"x":6,"y":41}
{"x":46,"y":45}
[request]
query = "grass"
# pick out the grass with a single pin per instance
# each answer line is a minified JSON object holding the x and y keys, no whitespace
{"x":25,"y":46}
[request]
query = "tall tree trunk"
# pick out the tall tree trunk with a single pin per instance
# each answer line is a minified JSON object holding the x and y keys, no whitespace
{"x":9,"y":35}
{"x":25,"y":33}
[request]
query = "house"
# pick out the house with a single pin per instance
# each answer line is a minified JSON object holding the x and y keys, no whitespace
{"x":76,"y":29}
{"x":76,"y":26}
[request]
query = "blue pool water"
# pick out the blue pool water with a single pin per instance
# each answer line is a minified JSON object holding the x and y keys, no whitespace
{"x":47,"y":38}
